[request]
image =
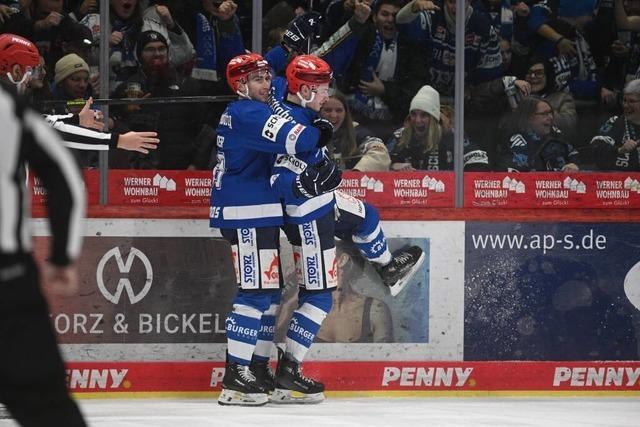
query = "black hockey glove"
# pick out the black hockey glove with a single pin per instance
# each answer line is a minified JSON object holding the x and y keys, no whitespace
{"x":299,"y":31}
{"x":321,"y":178}
{"x":330,"y":174}
{"x":326,"y":131}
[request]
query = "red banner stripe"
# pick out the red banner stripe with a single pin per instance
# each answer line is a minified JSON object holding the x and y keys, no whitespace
{"x":473,"y":377}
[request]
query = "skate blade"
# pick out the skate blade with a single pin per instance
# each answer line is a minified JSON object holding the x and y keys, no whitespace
{"x":237,"y":398}
{"x":397,"y":287}
{"x":284,"y":396}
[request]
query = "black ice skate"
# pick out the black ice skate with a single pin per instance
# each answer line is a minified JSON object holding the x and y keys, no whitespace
{"x":292,"y":386}
{"x":240,"y":387}
{"x":401,"y":269}
{"x":264,"y":375}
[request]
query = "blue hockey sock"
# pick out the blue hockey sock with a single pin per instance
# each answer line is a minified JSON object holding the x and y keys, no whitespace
{"x":373,"y":246}
{"x":306,"y":322}
{"x":242,"y":326}
{"x":262,"y":353}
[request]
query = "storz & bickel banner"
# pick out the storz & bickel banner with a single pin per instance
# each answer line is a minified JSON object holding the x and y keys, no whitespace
{"x":148,"y":289}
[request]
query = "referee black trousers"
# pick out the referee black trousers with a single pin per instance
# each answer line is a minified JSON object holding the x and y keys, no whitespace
{"x":32,"y":374}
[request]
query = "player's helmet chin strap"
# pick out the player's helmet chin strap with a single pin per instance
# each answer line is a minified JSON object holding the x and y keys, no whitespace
{"x":21,"y":84}
{"x":304,"y":102}
{"x":243,"y":94}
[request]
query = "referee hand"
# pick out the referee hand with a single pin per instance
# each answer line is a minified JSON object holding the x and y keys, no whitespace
{"x":89,"y":118}
{"x":60,"y":280}
{"x":138,"y":141}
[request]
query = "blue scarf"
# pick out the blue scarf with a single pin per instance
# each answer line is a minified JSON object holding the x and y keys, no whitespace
{"x":206,"y":67}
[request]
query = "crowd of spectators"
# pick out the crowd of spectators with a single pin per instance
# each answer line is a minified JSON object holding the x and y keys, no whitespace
{"x":549,"y":84}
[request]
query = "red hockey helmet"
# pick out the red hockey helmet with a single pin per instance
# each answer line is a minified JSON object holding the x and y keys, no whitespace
{"x":307,"y":70}
{"x":17,"y":50}
{"x":242,"y":65}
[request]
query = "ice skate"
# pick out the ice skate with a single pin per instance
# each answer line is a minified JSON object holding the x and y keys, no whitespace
{"x":292,"y":386}
{"x":264,"y":375}
{"x":401,"y":269}
{"x":240,"y":387}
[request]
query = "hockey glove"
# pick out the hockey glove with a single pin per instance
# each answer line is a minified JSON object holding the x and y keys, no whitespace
{"x":326,"y":131}
{"x":330,"y":174}
{"x":316,"y":180}
{"x":299,"y":31}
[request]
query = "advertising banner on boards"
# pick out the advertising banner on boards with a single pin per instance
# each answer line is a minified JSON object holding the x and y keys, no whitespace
{"x":163,"y":285}
{"x":543,"y":291}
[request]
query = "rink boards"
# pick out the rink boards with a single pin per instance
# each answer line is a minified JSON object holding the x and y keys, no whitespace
{"x":493,"y":305}
{"x":371,"y":378}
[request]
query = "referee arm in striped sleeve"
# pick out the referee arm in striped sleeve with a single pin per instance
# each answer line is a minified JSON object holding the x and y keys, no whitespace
{"x":51,"y":161}
{"x":131,"y":141}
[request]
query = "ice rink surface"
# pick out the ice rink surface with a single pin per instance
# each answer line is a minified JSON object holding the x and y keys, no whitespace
{"x":373,"y":412}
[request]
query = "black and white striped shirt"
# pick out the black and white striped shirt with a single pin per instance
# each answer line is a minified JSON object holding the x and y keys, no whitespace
{"x":26,"y":139}
{"x":66,"y":125}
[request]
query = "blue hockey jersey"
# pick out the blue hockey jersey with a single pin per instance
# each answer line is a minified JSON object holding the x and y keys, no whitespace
{"x":483,"y":61}
{"x":288,"y":166}
{"x":248,"y":138}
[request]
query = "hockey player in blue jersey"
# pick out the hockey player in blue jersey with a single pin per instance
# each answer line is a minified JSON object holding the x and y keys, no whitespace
{"x":249,"y":213}
{"x":309,"y":225}
{"x":355,"y":221}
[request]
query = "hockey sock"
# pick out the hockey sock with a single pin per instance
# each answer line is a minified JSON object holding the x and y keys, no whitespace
{"x":262,"y":353}
{"x":306,"y":322}
{"x":242,"y":326}
{"x":369,"y":237}
{"x":373,"y":246}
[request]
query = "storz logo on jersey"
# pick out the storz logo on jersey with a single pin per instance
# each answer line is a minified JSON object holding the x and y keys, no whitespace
{"x":246,"y":236}
{"x":248,"y":268}
{"x":311,"y":265}
{"x":308,"y":234}
{"x":272,"y":126}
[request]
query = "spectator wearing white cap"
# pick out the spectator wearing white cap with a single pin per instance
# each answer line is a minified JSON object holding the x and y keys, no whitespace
{"x":426,"y":140}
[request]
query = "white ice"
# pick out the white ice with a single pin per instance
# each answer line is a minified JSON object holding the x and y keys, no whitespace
{"x":370,"y":412}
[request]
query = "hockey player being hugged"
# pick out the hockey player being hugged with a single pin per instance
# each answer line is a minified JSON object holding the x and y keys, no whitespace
{"x":298,"y":98}
{"x":249,"y":213}
{"x":309,"y":225}
{"x":356,"y":221}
